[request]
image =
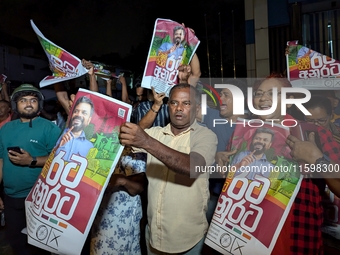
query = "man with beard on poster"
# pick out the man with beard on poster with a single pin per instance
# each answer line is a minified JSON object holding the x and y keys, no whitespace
{"x":25,"y":145}
{"x":74,"y":141}
{"x":252,"y":162}
{"x":176,"y":48}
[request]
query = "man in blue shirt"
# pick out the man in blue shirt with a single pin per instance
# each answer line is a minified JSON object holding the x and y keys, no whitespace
{"x":74,"y":140}
{"x":254,"y":162}
{"x":176,"y":48}
{"x":304,"y":52}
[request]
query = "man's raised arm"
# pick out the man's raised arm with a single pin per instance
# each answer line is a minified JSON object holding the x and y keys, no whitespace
{"x":179,"y":162}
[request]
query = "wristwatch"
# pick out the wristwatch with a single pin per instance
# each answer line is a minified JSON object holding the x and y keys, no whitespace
{"x":33,"y":162}
{"x":324,"y":161}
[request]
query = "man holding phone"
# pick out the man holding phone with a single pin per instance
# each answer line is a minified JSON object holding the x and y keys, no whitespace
{"x":15,"y":149}
{"x":25,"y":144}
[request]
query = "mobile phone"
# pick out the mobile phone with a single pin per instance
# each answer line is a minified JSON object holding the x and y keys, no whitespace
{"x":14,"y":148}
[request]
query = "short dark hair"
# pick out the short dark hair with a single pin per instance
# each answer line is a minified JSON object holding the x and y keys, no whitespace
{"x":184,"y":86}
{"x":178,"y":28}
{"x":264,"y":130}
{"x":320,"y":101}
{"x":138,"y":82}
{"x":138,"y":85}
{"x":85,"y":100}
{"x":24,"y":94}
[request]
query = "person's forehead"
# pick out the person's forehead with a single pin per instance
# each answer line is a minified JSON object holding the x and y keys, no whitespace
{"x":83,"y":105}
{"x":225,"y":90}
{"x":139,"y":89}
{"x":182,"y":92}
{"x":262,"y":134}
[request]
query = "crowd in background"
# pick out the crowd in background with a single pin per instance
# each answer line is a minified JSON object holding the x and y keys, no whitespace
{"x":161,"y":222}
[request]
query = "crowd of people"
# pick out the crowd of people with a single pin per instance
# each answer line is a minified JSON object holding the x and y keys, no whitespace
{"x":167,"y":135}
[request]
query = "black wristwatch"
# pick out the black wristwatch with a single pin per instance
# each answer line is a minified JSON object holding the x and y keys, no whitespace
{"x":324,"y":161}
{"x":33,"y":162}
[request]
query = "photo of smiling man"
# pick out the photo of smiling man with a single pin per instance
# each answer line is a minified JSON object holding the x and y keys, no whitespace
{"x":176,"y":48}
{"x":73,"y":140}
{"x":253,"y":161}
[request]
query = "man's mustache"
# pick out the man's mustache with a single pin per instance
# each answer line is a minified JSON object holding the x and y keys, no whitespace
{"x":258,"y":144}
{"x":77,"y":118}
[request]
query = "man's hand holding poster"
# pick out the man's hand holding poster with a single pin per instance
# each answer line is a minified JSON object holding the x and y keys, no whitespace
{"x":310,"y":69}
{"x":103,"y":71}
{"x":63,"y":202}
{"x":258,"y":192}
{"x":172,"y":45}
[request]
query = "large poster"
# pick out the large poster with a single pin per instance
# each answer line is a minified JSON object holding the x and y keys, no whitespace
{"x":63,"y":202}
{"x":258,"y":192}
{"x":64,"y":65}
{"x":172,"y":45}
{"x":310,"y":69}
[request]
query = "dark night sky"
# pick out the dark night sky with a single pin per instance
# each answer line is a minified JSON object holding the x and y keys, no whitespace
{"x":88,"y":28}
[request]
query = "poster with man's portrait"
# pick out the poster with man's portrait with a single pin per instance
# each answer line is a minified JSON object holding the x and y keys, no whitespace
{"x":258,"y":192}
{"x":63,"y":202}
{"x":172,"y":45}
